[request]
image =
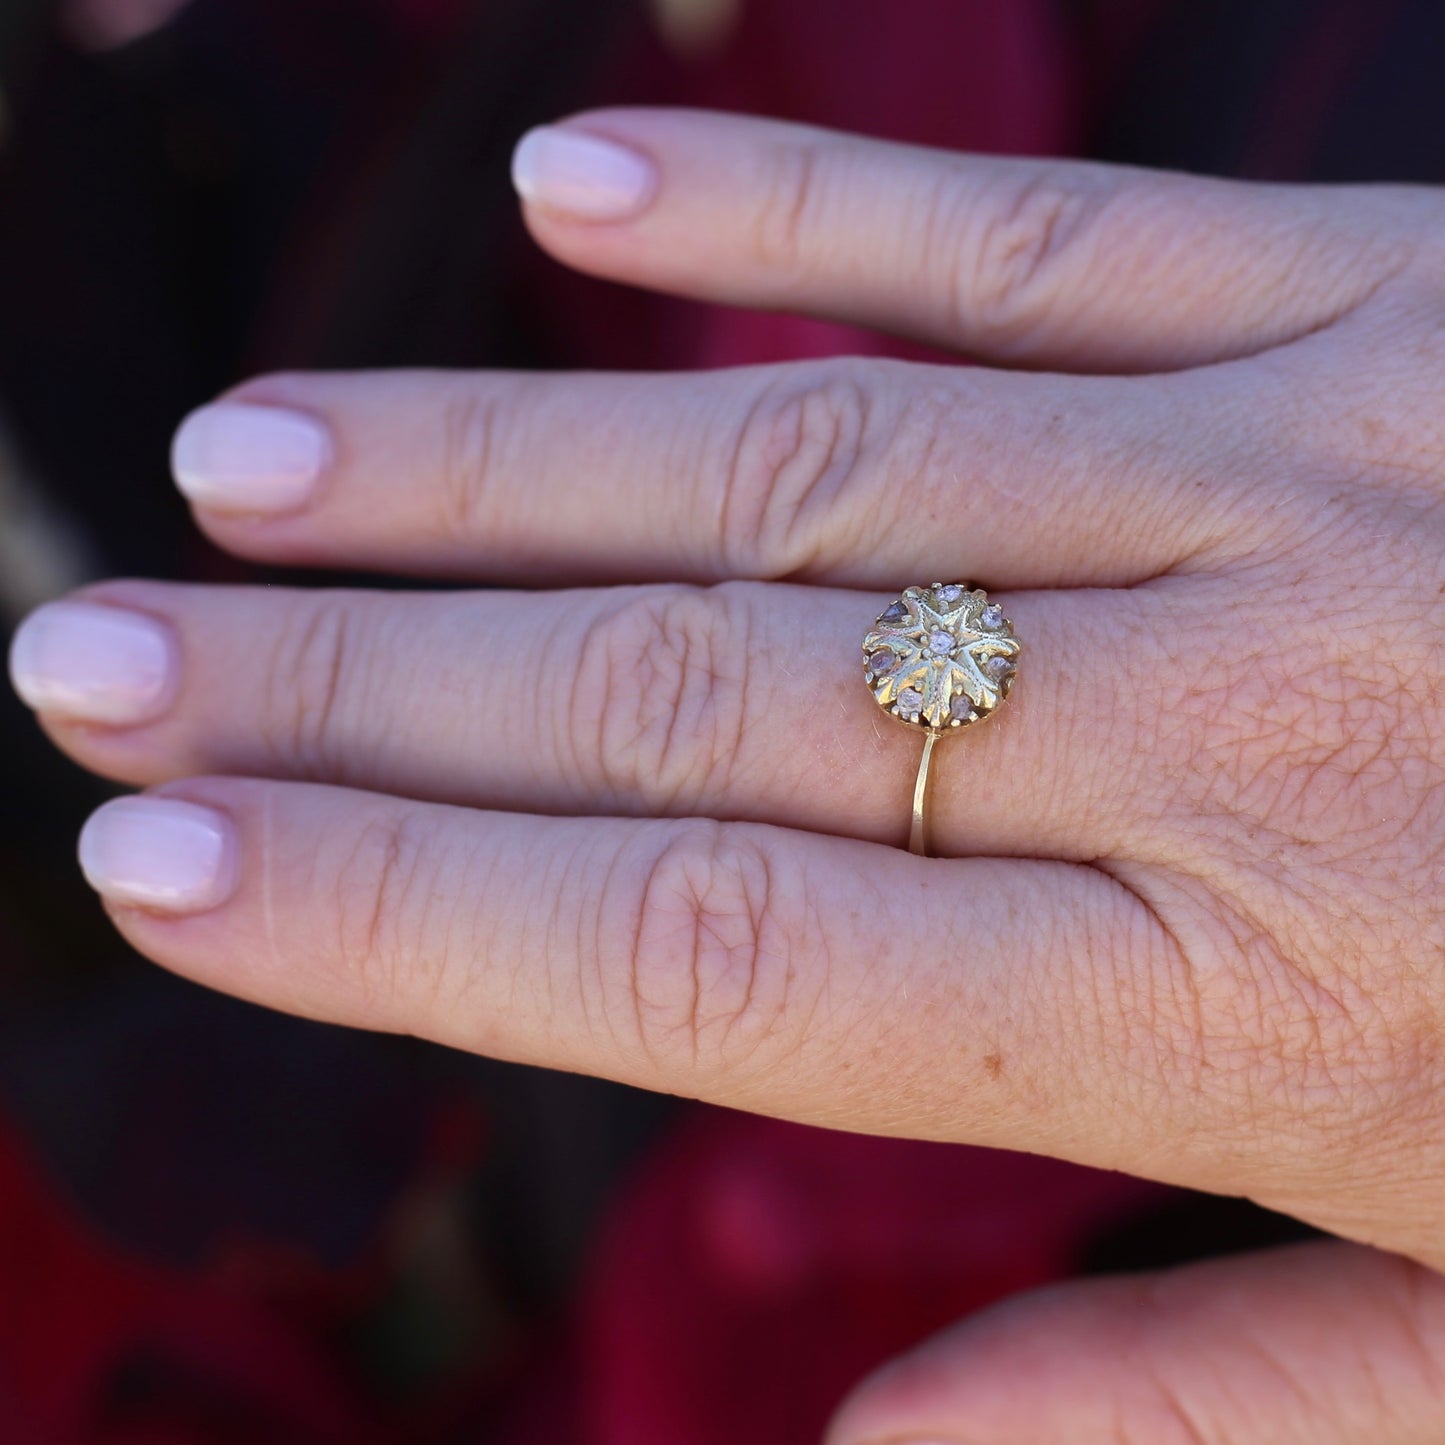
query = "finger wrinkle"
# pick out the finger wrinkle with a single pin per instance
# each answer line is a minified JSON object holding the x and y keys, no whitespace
{"x":789,"y":184}
{"x":470,"y":418}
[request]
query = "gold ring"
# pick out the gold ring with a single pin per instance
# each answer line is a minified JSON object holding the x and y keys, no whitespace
{"x":939,"y":659}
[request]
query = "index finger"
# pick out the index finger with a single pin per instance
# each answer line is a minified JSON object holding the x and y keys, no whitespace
{"x":1049,"y":263}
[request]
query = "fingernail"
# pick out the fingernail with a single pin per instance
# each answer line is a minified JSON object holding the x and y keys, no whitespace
{"x":160,"y":853}
{"x":581,"y":175}
{"x":94,"y":664}
{"x":241,"y":458}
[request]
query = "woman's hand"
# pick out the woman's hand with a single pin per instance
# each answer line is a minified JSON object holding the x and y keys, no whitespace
{"x":1192,"y":923}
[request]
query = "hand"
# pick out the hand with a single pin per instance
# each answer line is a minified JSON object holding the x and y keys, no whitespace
{"x":1192,"y":926}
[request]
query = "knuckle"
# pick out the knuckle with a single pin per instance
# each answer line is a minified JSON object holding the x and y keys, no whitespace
{"x":1417,"y":1311}
{"x":790,"y":192}
{"x":1320,"y":753}
{"x":661,"y":696}
{"x":307,"y":686}
{"x":1283,"y":1050}
{"x":799,"y":450}
{"x":1027,"y":248}
{"x":385,"y":883}
{"x":1155,"y":1408}
{"x":1248,"y":1027}
{"x":1171,"y":1421}
{"x":468,"y":444}
{"x":713,"y":966}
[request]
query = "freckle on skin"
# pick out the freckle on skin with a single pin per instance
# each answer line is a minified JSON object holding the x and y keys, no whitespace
{"x":994,"y":1064}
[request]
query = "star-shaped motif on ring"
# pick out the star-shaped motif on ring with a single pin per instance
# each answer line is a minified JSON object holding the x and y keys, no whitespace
{"x":941,"y":656}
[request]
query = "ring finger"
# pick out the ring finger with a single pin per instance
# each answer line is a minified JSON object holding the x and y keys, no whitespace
{"x":741,"y":701}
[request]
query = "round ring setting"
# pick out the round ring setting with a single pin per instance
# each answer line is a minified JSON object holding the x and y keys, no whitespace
{"x":939,"y":659}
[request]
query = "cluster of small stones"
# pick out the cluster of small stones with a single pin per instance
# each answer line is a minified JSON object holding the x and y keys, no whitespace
{"x":909,"y":702}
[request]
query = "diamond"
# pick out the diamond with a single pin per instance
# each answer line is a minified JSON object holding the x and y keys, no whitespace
{"x":992,"y":615}
{"x":896,"y":613}
{"x":910,"y":700}
{"x":959,"y":707}
{"x":998,"y":667}
{"x":940,"y":642}
{"x":951,"y":593}
{"x":881,"y":661}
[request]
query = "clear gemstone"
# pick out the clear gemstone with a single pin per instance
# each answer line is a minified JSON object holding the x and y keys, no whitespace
{"x":951,"y":593}
{"x":959,"y":707}
{"x":881,"y":661}
{"x":992,"y":615}
{"x":910,"y":699}
{"x":940,"y":642}
{"x":998,"y":667}
{"x":896,"y":613}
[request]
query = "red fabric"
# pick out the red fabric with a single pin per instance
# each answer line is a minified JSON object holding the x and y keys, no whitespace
{"x":99,"y":1347}
{"x":78,"y":1314}
{"x":755,"y":1270}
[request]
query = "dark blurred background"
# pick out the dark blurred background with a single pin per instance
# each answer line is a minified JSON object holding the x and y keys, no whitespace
{"x":222,"y":1225}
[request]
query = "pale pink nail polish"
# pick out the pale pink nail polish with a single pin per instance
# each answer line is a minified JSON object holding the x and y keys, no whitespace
{"x":160,"y":853}
{"x":235,"y":457}
{"x":581,"y":175}
{"x":93,"y":663}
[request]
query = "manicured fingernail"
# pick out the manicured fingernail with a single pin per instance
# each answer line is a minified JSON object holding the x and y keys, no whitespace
{"x":160,"y":853}
{"x":241,"y":458}
{"x":581,"y":175}
{"x":94,"y":664}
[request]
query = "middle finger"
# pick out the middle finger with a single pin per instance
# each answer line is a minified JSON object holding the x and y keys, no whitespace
{"x":848,"y":472}
{"x":741,"y":701}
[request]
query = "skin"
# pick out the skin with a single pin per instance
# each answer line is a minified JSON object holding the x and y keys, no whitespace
{"x":1189,"y":921}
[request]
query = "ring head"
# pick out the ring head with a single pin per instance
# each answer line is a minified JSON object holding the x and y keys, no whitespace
{"x":941,"y":658}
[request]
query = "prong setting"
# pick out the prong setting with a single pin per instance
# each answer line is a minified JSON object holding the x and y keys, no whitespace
{"x":941,"y":657}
